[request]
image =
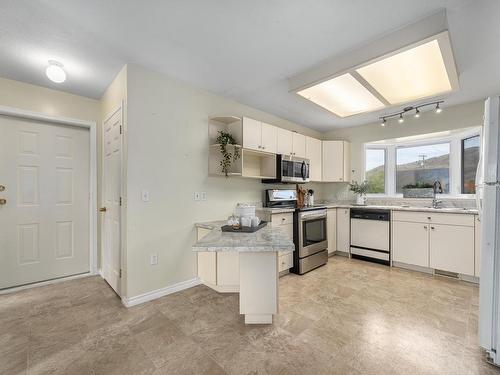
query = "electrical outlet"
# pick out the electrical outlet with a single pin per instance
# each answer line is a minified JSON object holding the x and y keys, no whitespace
{"x":145,"y":195}
{"x":153,"y":259}
{"x":196,"y":196}
{"x":203,"y":195}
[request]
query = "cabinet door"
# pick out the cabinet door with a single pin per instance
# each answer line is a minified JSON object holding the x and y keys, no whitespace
{"x":252,"y":134}
{"x":299,"y":145}
{"x":477,"y":246}
{"x":410,"y":243}
{"x":343,"y":230}
{"x":452,"y":248}
{"x":269,"y":138}
{"x":346,"y":149}
{"x":331,"y":230}
{"x":284,"y":142}
{"x":313,"y":153}
{"x":333,"y":161}
{"x":228,"y":268}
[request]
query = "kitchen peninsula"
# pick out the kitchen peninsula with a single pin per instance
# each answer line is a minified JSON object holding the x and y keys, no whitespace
{"x":258,"y":267}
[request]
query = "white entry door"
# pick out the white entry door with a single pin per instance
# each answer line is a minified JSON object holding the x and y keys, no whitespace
{"x":112,"y":173}
{"x":44,"y":211}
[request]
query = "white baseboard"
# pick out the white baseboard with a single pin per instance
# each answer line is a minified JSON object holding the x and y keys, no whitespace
{"x":154,"y":294}
{"x":48,"y":282}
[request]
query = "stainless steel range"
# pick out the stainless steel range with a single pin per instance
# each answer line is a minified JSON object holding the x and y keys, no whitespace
{"x":310,"y":238}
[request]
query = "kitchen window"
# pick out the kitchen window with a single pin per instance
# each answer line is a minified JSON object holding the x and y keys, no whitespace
{"x":375,"y":170}
{"x":470,"y":159}
{"x":423,"y":164}
{"x":449,"y":157}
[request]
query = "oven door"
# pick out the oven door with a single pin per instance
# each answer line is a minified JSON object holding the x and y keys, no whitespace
{"x":312,"y":235}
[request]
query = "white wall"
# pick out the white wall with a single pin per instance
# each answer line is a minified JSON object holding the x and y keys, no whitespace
{"x":167,"y":140}
{"x":456,"y":117}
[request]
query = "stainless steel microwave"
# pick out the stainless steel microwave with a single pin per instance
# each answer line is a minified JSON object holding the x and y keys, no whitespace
{"x":290,"y":169}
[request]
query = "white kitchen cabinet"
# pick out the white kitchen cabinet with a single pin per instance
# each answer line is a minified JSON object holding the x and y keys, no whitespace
{"x":410,"y":243}
{"x":313,"y":153}
{"x":269,"y":137}
{"x":285,"y":222}
{"x":452,"y":248}
{"x":259,"y":136}
{"x":477,"y":246}
{"x":284,"y":144}
{"x":343,"y":230}
{"x":336,"y":161}
{"x":228,"y":269}
{"x":299,"y":145}
{"x":331,"y":230}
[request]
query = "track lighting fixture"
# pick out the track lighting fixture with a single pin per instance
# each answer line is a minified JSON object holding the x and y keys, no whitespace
{"x":411,"y":108}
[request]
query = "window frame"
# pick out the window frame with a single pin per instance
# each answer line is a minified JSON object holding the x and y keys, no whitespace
{"x":372,"y":147}
{"x":456,"y":160}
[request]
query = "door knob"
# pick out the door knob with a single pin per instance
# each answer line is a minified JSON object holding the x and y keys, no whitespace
{"x":3,"y":201}
{"x":102,"y":209}
{"x":2,"y":188}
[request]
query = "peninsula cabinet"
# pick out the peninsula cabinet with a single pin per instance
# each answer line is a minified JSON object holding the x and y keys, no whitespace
{"x":290,"y":143}
{"x":313,"y":153}
{"x":439,"y":241}
{"x":259,"y":136}
{"x":336,"y":161}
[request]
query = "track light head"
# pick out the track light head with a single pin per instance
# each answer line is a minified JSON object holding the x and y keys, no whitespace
{"x":401,"y":119}
{"x":438,"y":108}
{"x":417,"y":113}
{"x":383,"y":122}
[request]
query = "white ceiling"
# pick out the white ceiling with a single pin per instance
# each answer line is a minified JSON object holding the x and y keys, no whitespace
{"x":240,"y":49}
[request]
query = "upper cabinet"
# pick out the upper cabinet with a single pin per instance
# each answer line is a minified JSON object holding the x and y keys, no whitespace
{"x":259,"y":136}
{"x":336,"y":161}
{"x":313,"y":153}
{"x":285,"y":142}
{"x":290,"y":143}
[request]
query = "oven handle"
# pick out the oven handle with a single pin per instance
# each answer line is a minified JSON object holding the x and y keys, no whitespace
{"x":314,"y":217}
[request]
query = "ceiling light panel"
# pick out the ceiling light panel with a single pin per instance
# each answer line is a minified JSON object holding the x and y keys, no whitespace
{"x":342,"y":95}
{"x":416,"y":73}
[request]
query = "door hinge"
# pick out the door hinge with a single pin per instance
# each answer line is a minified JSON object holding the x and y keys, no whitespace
{"x":120,"y":273}
{"x":120,"y":201}
{"x":121,"y":130}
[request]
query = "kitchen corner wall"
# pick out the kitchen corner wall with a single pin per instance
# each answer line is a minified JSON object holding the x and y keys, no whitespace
{"x":455,"y":117}
{"x":167,"y":140}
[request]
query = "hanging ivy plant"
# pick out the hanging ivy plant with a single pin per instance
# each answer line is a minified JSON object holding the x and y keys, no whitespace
{"x":224,"y":139}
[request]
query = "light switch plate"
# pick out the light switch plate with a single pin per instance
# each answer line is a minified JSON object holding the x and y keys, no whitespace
{"x":145,"y":195}
{"x":196,"y":196}
{"x":154,"y":259}
{"x":203,"y":195}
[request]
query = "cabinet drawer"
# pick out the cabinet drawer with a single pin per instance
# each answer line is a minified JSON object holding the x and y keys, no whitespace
{"x":434,"y":218}
{"x":285,"y":261}
{"x":282,"y":219}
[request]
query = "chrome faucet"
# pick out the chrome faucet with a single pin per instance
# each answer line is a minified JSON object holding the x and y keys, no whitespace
{"x":437,"y":187}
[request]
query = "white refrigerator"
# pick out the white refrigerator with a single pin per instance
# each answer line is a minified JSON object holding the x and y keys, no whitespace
{"x":488,"y":197}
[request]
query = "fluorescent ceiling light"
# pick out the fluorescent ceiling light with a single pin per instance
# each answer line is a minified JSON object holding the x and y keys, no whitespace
{"x":342,"y":95}
{"x":415,"y":73}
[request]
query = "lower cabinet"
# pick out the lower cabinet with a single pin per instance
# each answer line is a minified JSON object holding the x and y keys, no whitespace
{"x":410,"y":243}
{"x":452,"y":248}
{"x":331,"y":230}
{"x":343,"y":230}
{"x":440,"y":241}
{"x":285,"y":261}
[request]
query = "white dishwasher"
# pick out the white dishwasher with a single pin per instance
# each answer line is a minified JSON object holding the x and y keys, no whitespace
{"x":370,"y":235}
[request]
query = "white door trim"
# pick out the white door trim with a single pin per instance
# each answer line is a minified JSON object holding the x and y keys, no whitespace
{"x":92,"y":126}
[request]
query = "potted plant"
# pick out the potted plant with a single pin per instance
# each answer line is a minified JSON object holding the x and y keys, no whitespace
{"x":224,"y":139}
{"x":360,"y":190}
{"x":418,"y":190}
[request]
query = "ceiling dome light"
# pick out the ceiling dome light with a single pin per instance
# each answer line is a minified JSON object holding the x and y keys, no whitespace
{"x":55,"y":72}
{"x":438,"y":109}
{"x":417,"y":113}
{"x":383,"y":122}
{"x":401,"y":119}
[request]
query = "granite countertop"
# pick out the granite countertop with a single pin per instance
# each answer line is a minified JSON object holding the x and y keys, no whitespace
{"x":452,"y":210}
{"x":265,"y":239}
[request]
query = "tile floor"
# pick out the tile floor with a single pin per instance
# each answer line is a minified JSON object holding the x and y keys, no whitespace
{"x":348,"y":317}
